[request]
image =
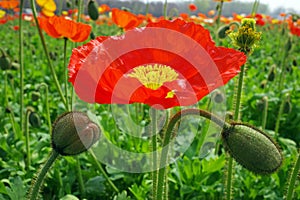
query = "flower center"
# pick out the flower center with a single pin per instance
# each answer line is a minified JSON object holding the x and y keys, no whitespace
{"x":154,"y":76}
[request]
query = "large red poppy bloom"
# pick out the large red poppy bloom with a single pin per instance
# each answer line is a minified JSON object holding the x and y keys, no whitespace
{"x":60,"y":27}
{"x":166,"y":64}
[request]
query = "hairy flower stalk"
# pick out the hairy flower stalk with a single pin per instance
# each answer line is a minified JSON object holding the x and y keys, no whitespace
{"x":245,"y":39}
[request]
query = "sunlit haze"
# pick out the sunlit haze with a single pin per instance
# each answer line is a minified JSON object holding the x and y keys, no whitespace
{"x":273,"y":4}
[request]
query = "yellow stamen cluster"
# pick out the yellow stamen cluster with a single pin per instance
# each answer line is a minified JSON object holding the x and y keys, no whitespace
{"x":154,"y":76}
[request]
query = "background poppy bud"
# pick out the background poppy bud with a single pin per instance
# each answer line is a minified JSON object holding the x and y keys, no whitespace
{"x":92,"y":35}
{"x":218,"y":97}
{"x":68,"y":4}
{"x":222,"y":31}
{"x":288,"y":45}
{"x":35,"y":96}
{"x":8,"y":110}
{"x":74,"y":133}
{"x":93,"y":10}
{"x":287,"y":107}
{"x":5,"y":62}
{"x":34,"y":119}
{"x":295,"y":62}
{"x":252,"y":148}
{"x":263,"y":84}
{"x":271,"y":74}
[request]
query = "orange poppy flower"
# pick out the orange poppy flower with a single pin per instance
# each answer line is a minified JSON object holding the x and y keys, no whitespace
{"x":165,"y":64}
{"x":60,"y":27}
{"x":192,"y":7}
{"x":125,"y":19}
{"x":9,"y":4}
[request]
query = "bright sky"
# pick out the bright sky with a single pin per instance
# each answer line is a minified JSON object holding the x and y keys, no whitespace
{"x":295,"y":4}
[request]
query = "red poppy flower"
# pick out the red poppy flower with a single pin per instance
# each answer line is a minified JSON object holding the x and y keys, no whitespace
{"x":166,"y":64}
{"x":59,"y":27}
{"x":9,"y":4}
{"x":125,"y":19}
{"x":294,"y":29}
{"x":192,"y":7}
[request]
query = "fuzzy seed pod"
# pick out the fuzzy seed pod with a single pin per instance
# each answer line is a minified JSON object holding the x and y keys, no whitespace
{"x":252,"y":148}
{"x":74,"y":133}
{"x":93,"y":10}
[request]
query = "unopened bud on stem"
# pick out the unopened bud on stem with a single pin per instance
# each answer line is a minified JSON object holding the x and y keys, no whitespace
{"x":74,"y":133}
{"x":252,"y":148}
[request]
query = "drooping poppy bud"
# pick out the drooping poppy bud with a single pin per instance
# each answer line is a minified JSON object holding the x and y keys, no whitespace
{"x":218,"y":97}
{"x":93,"y":10}
{"x":222,"y":31}
{"x":252,"y":148}
{"x":271,"y":74}
{"x":35,"y":96}
{"x":5,"y":62}
{"x":74,"y":133}
{"x":34,"y":119}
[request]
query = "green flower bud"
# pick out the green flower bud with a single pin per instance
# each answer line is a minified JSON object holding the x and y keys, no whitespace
{"x":246,"y":38}
{"x":222,"y":31}
{"x":271,"y":75}
{"x":8,"y":110}
{"x":288,"y":45}
{"x":74,"y":133}
{"x":68,"y":4}
{"x":263,"y":84}
{"x":218,"y":97}
{"x":34,"y":119}
{"x":5,"y":62}
{"x":35,"y":96}
{"x":93,"y":10}
{"x":295,"y":62}
{"x":287,"y":108}
{"x":252,"y":148}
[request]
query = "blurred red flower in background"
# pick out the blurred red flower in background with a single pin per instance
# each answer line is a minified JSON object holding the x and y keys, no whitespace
{"x":294,"y":27}
{"x":60,"y":27}
{"x":153,"y":76}
{"x":192,"y":7}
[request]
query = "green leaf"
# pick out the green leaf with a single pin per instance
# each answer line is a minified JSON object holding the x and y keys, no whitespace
{"x":122,"y":196}
{"x":213,"y":165}
{"x":69,"y":197}
{"x":16,"y":191}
